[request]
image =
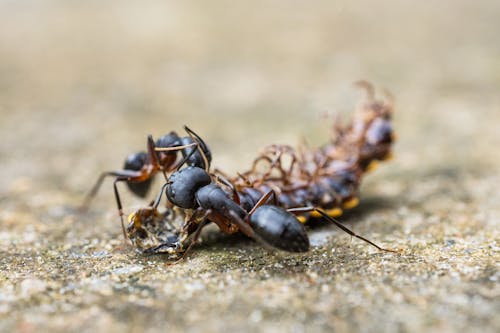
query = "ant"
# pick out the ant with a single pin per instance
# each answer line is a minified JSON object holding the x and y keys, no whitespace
{"x":140,"y":168}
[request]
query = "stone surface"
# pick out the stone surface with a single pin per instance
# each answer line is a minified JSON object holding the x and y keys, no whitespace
{"x":82,"y":83}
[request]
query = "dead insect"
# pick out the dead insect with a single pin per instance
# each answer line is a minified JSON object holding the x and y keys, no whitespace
{"x":329,"y":176}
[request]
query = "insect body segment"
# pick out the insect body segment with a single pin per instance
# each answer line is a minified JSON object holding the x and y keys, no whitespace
{"x":280,"y":228}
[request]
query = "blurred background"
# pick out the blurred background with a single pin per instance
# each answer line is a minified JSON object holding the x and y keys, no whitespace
{"x":83,"y":82}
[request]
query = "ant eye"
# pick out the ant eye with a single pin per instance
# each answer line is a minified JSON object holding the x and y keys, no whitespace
{"x":135,"y":161}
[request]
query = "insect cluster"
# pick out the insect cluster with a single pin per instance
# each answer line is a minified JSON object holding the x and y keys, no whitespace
{"x":270,"y":202}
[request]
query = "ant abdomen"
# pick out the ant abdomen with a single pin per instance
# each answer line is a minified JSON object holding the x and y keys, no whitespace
{"x":279,"y":228}
{"x":135,"y":162}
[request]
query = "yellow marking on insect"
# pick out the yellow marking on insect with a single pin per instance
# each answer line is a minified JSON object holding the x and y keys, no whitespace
{"x":302,"y":219}
{"x":389,"y":156}
{"x":334,"y":212}
{"x":372,"y":166}
{"x":130,"y":217}
{"x":351,"y":203}
{"x":315,"y":214}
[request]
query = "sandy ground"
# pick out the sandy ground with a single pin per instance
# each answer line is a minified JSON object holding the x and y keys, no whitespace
{"x":83,"y":82}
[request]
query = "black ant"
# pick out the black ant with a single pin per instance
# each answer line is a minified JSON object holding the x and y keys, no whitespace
{"x":140,"y":168}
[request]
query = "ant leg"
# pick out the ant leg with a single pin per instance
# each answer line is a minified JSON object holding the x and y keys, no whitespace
{"x":152,"y":155}
{"x":338,"y":224}
{"x":195,"y":237}
{"x":154,"y":159}
{"x":122,"y":173}
{"x":292,"y":164}
{"x":176,"y":147}
{"x":185,"y":159}
{"x":220,"y":172}
{"x":256,"y":161}
{"x":272,"y":166}
{"x":148,"y":169}
{"x":279,"y":164}
{"x":263,"y":200}
{"x":119,"y":204}
{"x":90,"y":195}
{"x":245,"y":179}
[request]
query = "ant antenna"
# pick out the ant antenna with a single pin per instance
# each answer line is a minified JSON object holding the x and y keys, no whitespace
{"x":204,"y":147}
{"x":158,"y":198}
{"x":176,"y":147}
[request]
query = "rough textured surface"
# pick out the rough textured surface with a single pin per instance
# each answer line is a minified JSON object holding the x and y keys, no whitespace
{"x":82,"y":83}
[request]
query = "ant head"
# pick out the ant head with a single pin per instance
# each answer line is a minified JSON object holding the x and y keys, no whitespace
{"x":148,"y":229}
{"x":183,"y":185}
{"x":136,"y":162}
